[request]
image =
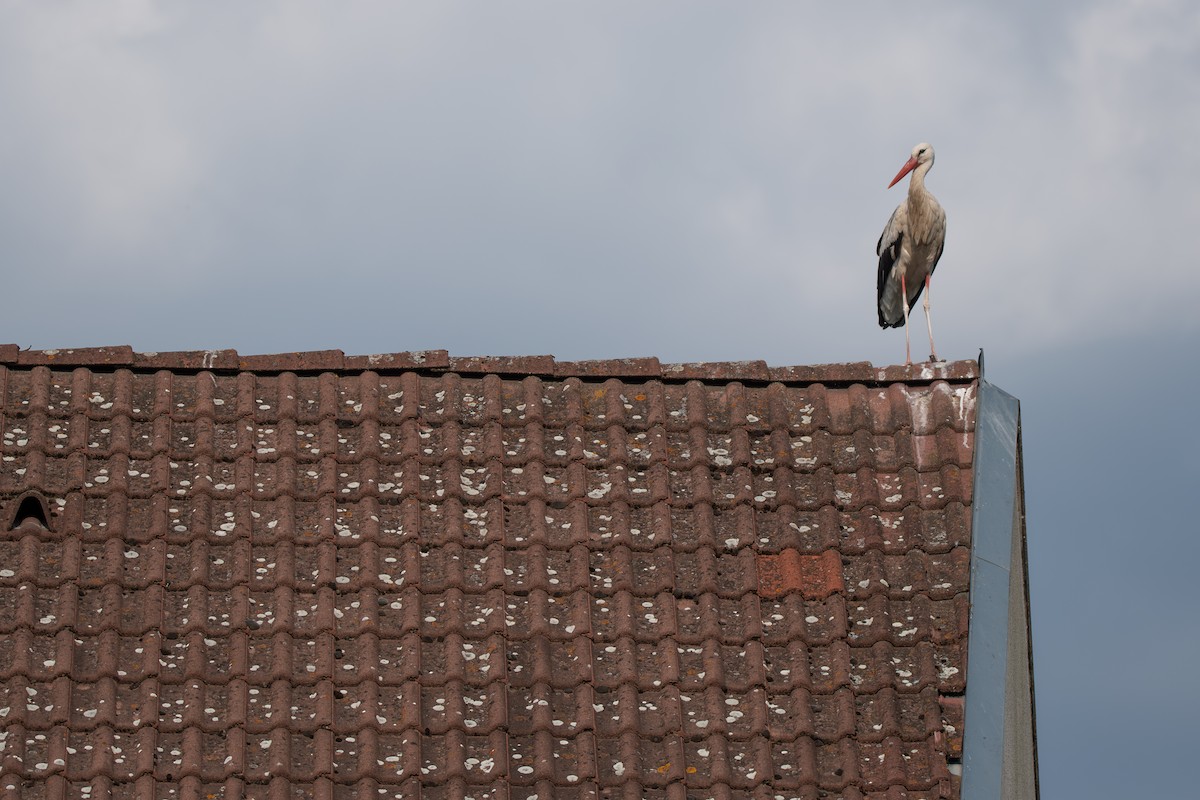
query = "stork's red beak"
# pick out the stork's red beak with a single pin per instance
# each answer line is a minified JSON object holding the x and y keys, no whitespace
{"x":907,"y":168}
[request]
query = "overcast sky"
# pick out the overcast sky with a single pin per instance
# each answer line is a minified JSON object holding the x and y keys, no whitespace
{"x":690,"y":180}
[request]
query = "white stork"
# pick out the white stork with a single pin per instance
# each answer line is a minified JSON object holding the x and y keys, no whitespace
{"x":909,"y":249}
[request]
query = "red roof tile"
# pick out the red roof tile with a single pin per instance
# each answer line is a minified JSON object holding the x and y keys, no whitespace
{"x":814,"y":577}
{"x":319,"y":575}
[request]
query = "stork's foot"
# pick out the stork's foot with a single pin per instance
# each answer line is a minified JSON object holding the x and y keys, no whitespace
{"x":933,"y":359}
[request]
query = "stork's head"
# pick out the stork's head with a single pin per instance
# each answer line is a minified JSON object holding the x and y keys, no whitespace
{"x":921,"y":154}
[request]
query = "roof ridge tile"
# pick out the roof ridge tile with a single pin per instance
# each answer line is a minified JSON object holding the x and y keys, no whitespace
{"x":639,"y":368}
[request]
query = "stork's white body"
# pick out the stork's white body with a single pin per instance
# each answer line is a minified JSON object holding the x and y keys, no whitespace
{"x":909,"y":249}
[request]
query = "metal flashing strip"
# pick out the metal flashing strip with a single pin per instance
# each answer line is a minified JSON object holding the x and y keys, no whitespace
{"x":996,"y":682}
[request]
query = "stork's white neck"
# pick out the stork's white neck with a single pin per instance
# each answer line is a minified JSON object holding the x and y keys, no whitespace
{"x":923,"y":207}
{"x":916,"y":184}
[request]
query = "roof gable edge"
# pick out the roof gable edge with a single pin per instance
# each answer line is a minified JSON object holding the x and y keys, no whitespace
{"x":999,"y":750}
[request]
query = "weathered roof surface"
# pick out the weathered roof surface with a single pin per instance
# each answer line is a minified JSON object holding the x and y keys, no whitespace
{"x":411,"y":575}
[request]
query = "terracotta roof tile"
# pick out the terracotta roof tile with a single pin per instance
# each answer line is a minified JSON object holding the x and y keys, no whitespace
{"x":320,"y":575}
{"x":813,"y":576}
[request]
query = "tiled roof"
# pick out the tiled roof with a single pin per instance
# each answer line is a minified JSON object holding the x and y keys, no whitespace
{"x":411,"y":575}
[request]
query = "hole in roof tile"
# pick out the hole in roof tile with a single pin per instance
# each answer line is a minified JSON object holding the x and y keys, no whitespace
{"x":31,"y":508}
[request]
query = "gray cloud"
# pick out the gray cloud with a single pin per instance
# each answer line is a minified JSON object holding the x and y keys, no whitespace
{"x":727,"y":165}
{"x":539,"y":162}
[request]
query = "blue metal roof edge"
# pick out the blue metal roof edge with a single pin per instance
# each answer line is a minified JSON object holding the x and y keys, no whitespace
{"x":999,"y":736}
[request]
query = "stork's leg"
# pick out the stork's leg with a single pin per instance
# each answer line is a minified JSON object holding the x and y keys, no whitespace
{"x":904,"y":299}
{"x":928,"y":322}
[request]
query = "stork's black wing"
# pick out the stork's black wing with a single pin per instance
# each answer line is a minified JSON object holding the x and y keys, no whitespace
{"x":888,"y":250}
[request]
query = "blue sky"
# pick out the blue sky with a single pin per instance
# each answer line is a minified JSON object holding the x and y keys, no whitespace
{"x":690,"y":180}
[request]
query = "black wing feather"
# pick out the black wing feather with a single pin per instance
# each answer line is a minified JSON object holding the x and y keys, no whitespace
{"x":887,"y":257}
